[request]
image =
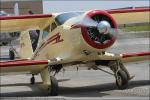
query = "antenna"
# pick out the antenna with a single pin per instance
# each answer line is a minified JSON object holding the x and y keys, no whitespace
{"x":16,"y":9}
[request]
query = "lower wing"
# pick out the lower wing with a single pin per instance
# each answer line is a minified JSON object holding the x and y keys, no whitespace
{"x":128,"y":57}
{"x":132,"y":57}
{"x":22,"y":66}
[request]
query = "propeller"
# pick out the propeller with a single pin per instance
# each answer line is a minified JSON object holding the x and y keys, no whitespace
{"x":99,"y":29}
{"x":102,"y":26}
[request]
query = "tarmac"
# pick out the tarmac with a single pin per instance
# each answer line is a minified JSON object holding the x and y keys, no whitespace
{"x":87,"y":84}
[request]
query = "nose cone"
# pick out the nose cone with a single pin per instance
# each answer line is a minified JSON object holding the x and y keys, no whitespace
{"x":103,"y":27}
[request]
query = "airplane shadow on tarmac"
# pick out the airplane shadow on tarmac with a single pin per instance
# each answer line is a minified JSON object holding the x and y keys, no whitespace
{"x":92,"y":91}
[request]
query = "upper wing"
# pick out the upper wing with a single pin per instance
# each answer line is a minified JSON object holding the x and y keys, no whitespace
{"x":23,"y":22}
{"x":129,"y":16}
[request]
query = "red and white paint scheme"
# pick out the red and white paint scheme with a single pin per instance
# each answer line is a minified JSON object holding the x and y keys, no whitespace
{"x":50,"y":42}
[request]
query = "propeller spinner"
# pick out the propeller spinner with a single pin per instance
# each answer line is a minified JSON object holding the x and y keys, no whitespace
{"x":103,"y":27}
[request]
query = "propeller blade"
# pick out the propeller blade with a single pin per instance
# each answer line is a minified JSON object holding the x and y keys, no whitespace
{"x":87,"y":21}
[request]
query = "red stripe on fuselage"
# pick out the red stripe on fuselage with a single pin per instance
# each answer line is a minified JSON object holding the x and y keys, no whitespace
{"x":22,"y":63}
{"x":135,"y":54}
{"x":55,"y":39}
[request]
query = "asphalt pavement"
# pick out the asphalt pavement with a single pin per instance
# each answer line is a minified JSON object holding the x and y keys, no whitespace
{"x":87,"y":84}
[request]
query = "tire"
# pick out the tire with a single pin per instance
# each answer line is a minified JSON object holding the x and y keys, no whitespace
{"x":11,"y":55}
{"x":122,"y":81}
{"x":54,"y":88}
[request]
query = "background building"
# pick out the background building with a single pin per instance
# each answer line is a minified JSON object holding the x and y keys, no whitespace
{"x":7,"y":8}
{"x":24,"y":5}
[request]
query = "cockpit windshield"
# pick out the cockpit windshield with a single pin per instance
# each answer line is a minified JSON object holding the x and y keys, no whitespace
{"x":62,"y":18}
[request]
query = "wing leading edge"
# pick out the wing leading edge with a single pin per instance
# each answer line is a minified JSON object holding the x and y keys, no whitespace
{"x":133,"y":57}
{"x":130,"y":16}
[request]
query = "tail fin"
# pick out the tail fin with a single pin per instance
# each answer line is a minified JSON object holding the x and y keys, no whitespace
{"x":26,"y":50}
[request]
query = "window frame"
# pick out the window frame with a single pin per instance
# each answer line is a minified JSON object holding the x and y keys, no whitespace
{"x":44,"y":35}
{"x":52,"y":26}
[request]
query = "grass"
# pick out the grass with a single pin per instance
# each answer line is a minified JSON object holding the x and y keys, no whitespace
{"x":136,"y":28}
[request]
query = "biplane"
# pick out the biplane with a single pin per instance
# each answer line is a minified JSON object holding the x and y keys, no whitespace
{"x":50,"y":42}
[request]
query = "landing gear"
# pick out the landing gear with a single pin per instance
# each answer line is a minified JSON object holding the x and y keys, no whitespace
{"x":32,"y":80}
{"x":11,"y":54}
{"x":121,"y":80}
{"x":121,"y":74}
{"x":54,"y":88}
{"x":119,"y":71}
{"x":50,"y":83}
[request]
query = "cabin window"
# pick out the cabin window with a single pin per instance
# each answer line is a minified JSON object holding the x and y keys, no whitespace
{"x":46,"y":31}
{"x":62,"y":18}
{"x":53,"y":26}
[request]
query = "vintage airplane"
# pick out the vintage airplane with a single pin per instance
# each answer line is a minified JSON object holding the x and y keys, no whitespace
{"x":50,"y":42}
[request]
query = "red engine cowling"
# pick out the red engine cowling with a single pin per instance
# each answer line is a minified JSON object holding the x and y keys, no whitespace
{"x":93,"y":36}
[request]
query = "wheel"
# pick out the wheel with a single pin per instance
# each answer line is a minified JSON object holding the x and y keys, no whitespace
{"x":11,"y":54}
{"x":125,"y":70}
{"x":32,"y":80}
{"x":54,"y":86}
{"x":121,"y":80}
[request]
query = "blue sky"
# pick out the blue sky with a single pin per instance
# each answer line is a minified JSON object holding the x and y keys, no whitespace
{"x":50,"y":6}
